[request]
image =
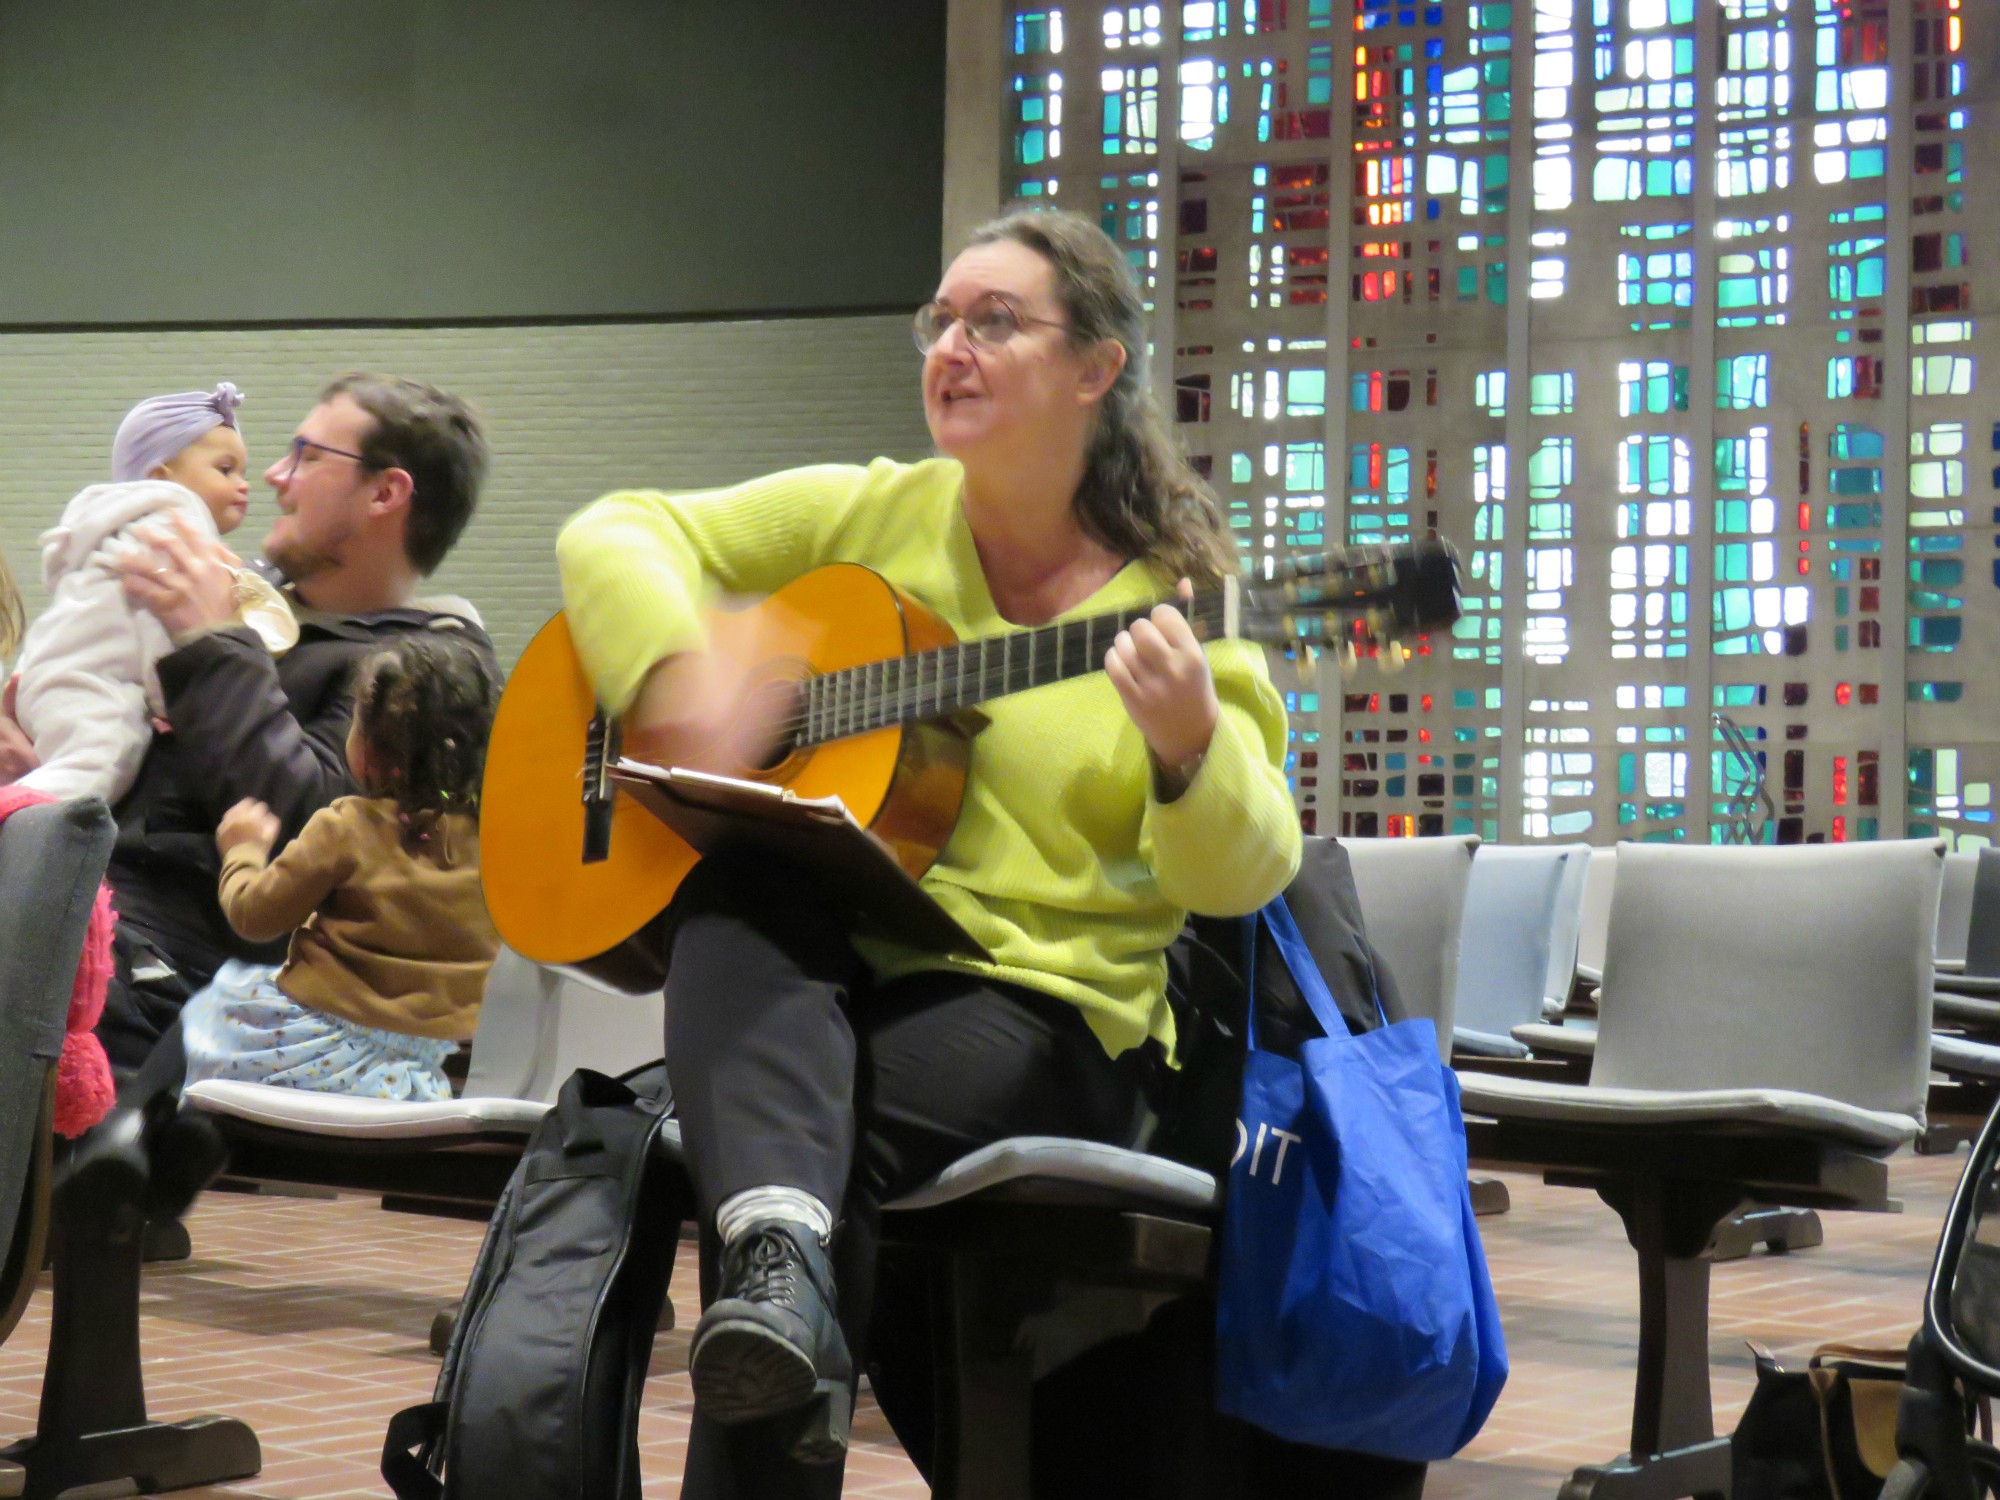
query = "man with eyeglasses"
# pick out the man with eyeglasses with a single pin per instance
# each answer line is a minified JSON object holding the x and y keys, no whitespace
{"x":372,"y":492}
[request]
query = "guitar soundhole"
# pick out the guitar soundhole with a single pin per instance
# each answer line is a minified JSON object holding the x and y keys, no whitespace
{"x":778,"y":702}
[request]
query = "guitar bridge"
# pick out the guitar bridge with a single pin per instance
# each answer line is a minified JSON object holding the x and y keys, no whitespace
{"x":601,"y":750}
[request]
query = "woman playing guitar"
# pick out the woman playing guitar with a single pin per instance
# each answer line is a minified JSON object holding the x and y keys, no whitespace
{"x":817,"y":1074}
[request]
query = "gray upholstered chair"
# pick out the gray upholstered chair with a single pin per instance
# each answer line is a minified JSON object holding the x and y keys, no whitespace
{"x":1962,"y":1057}
{"x":1965,"y":1049}
{"x":1571,"y":1039}
{"x":1413,"y":895}
{"x":1413,"y":898}
{"x":1519,"y":932}
{"x":1970,"y":997}
{"x":536,"y":1027}
{"x":1594,"y":914}
{"x":1566,"y":938}
{"x":1964,"y":1090}
{"x":1766,"y":1036}
{"x":1961,"y":870}
{"x":51,"y":861}
{"x":52,"y":858}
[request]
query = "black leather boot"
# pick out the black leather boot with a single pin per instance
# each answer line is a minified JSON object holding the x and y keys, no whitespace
{"x":111,"y":1163}
{"x":770,"y":1344}
{"x":158,"y":1155}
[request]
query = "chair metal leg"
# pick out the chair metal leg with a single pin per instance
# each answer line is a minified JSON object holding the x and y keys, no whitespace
{"x":443,"y":1321}
{"x":165,"y":1240}
{"x":1702,"y":1470}
{"x":1944,"y":1137}
{"x":1956,"y":1108}
{"x":1674,"y":1452}
{"x":1016,"y":1289}
{"x":93,"y":1428}
{"x":1489,"y":1196}
{"x":1778,"y":1230}
{"x":985,"y":1388}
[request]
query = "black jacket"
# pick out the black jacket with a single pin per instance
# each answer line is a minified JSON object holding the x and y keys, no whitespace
{"x":244,"y":725}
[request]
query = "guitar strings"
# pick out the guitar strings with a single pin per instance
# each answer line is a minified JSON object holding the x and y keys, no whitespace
{"x":881,"y":706}
{"x":841,"y":704}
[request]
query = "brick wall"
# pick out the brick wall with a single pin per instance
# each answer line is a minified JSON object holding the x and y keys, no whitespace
{"x":571,"y":412}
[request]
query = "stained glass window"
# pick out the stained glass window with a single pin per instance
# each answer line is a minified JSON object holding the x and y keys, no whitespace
{"x":1661,"y":310}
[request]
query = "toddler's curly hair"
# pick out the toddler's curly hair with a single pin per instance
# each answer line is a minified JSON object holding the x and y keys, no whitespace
{"x":425,"y":707}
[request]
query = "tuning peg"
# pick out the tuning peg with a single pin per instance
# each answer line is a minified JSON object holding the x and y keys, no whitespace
{"x":1307,"y":565}
{"x":1308,"y":668}
{"x":1349,"y":659}
{"x":1391,"y":657}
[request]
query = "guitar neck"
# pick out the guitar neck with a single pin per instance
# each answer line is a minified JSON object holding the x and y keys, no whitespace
{"x":933,"y":684}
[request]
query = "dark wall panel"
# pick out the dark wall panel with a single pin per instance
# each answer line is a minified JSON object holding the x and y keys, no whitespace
{"x":299,"y":160}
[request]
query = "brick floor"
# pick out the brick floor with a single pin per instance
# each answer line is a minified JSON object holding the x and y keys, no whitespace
{"x":308,"y":1319}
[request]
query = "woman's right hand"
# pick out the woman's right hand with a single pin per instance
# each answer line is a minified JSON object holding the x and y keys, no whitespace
{"x":696,"y":709}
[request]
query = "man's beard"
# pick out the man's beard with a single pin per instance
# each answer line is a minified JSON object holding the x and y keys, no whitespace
{"x":298,"y":563}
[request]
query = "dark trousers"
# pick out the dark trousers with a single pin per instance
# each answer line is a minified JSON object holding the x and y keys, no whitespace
{"x":790,"y":1068}
{"x":143,"y":1000}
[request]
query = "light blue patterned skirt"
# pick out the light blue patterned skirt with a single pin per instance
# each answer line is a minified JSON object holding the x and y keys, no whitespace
{"x":244,"y":1028}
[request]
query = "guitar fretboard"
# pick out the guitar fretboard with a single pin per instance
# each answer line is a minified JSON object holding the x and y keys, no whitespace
{"x":932,"y":684}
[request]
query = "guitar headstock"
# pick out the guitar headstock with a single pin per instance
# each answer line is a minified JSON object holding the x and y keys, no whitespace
{"x":1394,"y":591}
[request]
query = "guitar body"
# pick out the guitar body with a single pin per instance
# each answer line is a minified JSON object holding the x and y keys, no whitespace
{"x":888,"y":661}
{"x":904,"y":783}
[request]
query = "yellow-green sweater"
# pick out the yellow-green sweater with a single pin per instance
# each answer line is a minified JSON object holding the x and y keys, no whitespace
{"x":1062,"y":862}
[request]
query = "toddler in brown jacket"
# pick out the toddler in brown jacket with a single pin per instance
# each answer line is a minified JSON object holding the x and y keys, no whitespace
{"x":391,"y":942}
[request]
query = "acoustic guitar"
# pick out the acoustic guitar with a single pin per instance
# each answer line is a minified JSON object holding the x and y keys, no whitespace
{"x":881,"y":700}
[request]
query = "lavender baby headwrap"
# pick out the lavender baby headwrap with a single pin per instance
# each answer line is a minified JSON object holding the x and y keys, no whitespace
{"x":160,"y":426}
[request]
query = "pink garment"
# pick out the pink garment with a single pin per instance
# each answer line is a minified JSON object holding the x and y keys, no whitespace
{"x":84,"y":1090}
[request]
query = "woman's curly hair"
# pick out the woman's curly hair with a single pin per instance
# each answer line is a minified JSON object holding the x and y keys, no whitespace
{"x":424,"y":707}
{"x":1139,"y":496}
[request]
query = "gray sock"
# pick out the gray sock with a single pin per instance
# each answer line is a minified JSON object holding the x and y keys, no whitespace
{"x":760,"y":1205}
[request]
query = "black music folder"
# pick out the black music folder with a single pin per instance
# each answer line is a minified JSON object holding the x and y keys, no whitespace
{"x":855,"y":871}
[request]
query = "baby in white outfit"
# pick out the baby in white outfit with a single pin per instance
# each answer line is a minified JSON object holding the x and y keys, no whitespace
{"x":88,"y":689}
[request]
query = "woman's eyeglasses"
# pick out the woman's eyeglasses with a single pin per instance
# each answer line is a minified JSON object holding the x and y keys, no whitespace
{"x":989,"y":322}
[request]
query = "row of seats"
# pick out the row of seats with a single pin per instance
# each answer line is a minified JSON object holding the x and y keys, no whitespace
{"x":1764,"y":1038}
{"x":1534,"y":929}
{"x":1965,"y":1044}
{"x":1702,"y":1095}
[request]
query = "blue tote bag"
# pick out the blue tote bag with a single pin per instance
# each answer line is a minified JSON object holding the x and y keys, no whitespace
{"x":1354,"y":1310}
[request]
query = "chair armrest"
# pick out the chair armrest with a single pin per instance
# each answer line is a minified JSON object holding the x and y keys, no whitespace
{"x":1485,"y":1044}
{"x":1970,"y":984}
{"x":1965,"y":1010}
{"x":1573,"y":1039}
{"x":1960,"y":1057}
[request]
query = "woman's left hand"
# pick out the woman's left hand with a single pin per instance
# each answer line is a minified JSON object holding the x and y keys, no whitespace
{"x":1162,"y":677}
